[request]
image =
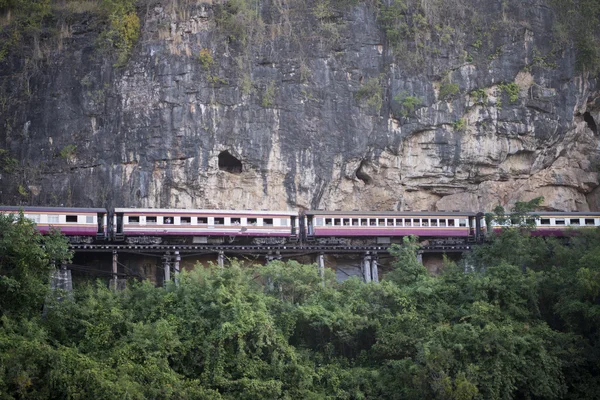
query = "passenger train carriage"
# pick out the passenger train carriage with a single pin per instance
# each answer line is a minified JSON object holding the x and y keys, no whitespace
{"x":549,"y":223}
{"x":368,"y":224}
{"x":79,"y":224}
{"x":181,"y":226}
{"x":196,"y":226}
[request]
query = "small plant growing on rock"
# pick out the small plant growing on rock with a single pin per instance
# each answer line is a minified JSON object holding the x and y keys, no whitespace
{"x":511,"y":89}
{"x":206,"y":59}
{"x":22,"y":191}
{"x":268,"y":97}
{"x":448,"y":90}
{"x":7,"y":163}
{"x":68,"y":151}
{"x":407,"y":103}
{"x":479,"y":96}
{"x":371,"y":92}
{"x":459,"y":124}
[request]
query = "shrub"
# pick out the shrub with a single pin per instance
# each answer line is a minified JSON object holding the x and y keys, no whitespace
{"x":206,"y":59}
{"x":459,"y":124}
{"x":448,"y":90}
{"x":511,"y":89}
{"x":269,"y":95}
{"x":408,"y":104}
{"x":372,"y":93}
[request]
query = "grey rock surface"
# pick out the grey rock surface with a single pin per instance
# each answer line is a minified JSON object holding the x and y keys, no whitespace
{"x":318,"y":111}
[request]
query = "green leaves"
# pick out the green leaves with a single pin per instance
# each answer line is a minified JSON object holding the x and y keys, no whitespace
{"x":522,"y":325}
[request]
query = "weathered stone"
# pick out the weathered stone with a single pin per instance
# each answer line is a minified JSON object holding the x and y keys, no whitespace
{"x":286,"y":106}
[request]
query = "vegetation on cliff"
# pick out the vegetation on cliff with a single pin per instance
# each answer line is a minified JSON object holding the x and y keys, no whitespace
{"x":522,"y":322}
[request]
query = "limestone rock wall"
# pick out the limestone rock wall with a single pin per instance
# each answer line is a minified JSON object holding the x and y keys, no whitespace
{"x":479,"y":108}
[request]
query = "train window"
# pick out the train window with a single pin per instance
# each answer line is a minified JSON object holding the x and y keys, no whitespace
{"x":53,"y":219}
{"x":407,"y":222}
{"x":33,"y":217}
{"x":416,"y":222}
{"x":134,"y":219}
{"x":373,"y":222}
{"x":354,"y":221}
{"x":450,"y":222}
{"x":236,"y":221}
{"x":283,"y":222}
{"x":89,"y":219}
{"x":268,"y":222}
{"x":574,"y":221}
{"x":337,"y":222}
{"x":72,"y":218}
{"x":151,"y":220}
{"x":589,"y":221}
{"x":186,"y":220}
{"x":545,"y":221}
{"x":363,"y":222}
{"x":424,"y":222}
{"x":398,"y":221}
{"x":462,"y":222}
{"x":346,"y":221}
{"x":168,"y":220}
{"x":390,"y":222}
{"x":328,"y":221}
{"x":202,"y":220}
{"x":381,"y":222}
{"x":219,"y":221}
{"x":434,"y":222}
{"x":559,"y":221}
{"x":442,"y":222}
{"x":252,"y":221}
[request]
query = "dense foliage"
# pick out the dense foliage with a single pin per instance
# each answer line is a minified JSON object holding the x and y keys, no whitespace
{"x":522,"y":323}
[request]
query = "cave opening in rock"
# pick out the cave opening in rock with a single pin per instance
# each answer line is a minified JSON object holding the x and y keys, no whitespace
{"x":229,"y":163}
{"x":587,"y":117}
{"x":361,"y":174}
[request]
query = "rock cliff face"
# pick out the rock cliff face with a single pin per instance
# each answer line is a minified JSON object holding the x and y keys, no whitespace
{"x":305,"y":104}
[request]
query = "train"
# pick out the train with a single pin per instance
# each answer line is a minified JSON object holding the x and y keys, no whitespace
{"x":198,"y":226}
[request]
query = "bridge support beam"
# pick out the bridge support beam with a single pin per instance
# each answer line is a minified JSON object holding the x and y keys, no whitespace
{"x":176,"y":266}
{"x":374,"y":268}
{"x":366,"y":267}
{"x":115,"y":283}
{"x":61,"y":279}
{"x":221,"y":259}
{"x":321,"y":266}
{"x":420,"y":257}
{"x":167,"y":267}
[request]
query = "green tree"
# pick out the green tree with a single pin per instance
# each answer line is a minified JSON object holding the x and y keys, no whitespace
{"x":26,"y":264}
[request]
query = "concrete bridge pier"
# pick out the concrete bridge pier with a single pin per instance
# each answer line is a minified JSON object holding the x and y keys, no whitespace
{"x":321,"y":266}
{"x":167,"y":267}
{"x":374,"y":268}
{"x":221,"y":259}
{"x":176,"y":266}
{"x":366,"y":267}
{"x":61,"y":279}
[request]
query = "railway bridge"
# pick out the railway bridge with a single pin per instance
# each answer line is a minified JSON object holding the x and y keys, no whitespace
{"x":161,"y":262}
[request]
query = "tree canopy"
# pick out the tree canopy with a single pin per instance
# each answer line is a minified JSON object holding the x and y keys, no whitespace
{"x":524,"y":324}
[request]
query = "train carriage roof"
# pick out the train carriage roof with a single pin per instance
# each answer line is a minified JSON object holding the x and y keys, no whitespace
{"x":564,"y":214}
{"x":394,"y":214}
{"x":202,"y":211}
{"x":66,"y":210}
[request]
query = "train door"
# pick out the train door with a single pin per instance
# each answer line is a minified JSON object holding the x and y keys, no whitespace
{"x":101,"y":232}
{"x":310,"y":230}
{"x":294,"y":231}
{"x":471,"y":222}
{"x":119,"y":233}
